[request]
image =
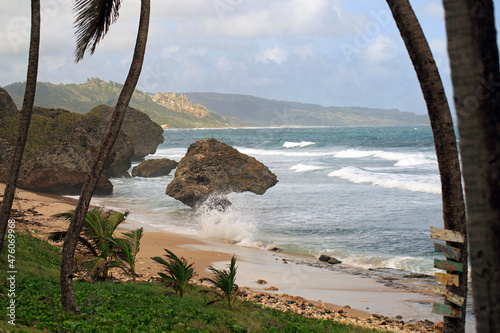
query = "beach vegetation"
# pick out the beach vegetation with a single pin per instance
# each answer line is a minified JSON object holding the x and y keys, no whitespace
{"x":99,"y":249}
{"x":179,"y":272}
{"x":225,"y":281}
{"x":128,"y":247}
{"x":128,"y":307}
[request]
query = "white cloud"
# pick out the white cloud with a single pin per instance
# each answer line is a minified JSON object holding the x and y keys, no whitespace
{"x":434,"y":9}
{"x":274,"y":54}
{"x":381,"y":49}
{"x":166,"y":52}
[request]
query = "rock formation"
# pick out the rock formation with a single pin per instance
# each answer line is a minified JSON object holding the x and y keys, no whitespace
{"x":180,"y":103}
{"x":7,"y":105}
{"x":60,"y":149}
{"x":211,"y":168}
{"x":154,"y":168}
{"x":145,"y":133}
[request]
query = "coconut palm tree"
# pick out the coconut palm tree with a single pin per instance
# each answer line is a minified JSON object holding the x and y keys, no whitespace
{"x":97,"y":241}
{"x":475,"y":71}
{"x":25,"y":119}
{"x":179,"y":272}
{"x":128,"y":247}
{"x":444,"y":137}
{"x":92,"y":22}
{"x":225,"y":280}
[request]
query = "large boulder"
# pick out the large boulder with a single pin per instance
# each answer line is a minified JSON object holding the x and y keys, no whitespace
{"x":154,"y":168}
{"x":60,"y":149}
{"x":145,"y":133}
{"x":7,"y":105}
{"x":213,"y":169}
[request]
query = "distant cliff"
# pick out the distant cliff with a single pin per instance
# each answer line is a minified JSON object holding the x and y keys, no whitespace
{"x":180,"y":103}
{"x":81,"y":98}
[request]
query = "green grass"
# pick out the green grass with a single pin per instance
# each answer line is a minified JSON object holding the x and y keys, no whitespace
{"x":127,"y":307}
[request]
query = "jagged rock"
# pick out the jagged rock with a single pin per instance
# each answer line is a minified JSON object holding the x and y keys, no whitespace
{"x":213,"y":168}
{"x":145,"y":133}
{"x":7,"y":105}
{"x":154,"y":168}
{"x":59,"y":153}
{"x":324,"y":257}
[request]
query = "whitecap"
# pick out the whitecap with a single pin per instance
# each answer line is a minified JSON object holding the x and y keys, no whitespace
{"x":403,"y":159}
{"x":304,"y":167}
{"x":414,"y":183}
{"x":298,"y":144}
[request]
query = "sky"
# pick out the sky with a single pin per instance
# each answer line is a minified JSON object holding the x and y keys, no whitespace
{"x":327,"y":52}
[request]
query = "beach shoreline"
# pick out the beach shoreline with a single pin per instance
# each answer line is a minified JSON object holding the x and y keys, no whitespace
{"x":355,"y":295}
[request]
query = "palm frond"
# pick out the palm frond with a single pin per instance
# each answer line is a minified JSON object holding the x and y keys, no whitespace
{"x":179,"y":272}
{"x":225,"y":280}
{"x":93,"y":18}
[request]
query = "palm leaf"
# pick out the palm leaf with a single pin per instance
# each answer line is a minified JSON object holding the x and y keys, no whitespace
{"x":93,"y":18}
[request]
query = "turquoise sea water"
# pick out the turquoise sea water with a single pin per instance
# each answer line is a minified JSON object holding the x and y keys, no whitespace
{"x":365,"y":195}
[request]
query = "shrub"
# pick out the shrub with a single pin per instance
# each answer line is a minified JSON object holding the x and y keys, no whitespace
{"x":179,"y":272}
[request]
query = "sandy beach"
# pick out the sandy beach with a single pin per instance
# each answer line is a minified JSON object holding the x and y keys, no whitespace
{"x":357,"y":296}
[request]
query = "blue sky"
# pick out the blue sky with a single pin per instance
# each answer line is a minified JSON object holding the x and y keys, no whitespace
{"x":328,"y":52}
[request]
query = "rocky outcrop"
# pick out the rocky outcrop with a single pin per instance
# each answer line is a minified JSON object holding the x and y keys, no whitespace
{"x":61,"y":148}
{"x":145,"y":133}
{"x":212,"y":168}
{"x":7,"y":105}
{"x":154,"y":168}
{"x":180,"y":103}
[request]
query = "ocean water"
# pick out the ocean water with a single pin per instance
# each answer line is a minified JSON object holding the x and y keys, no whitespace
{"x":364,"y":195}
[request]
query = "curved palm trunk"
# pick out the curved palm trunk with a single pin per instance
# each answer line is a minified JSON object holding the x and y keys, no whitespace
{"x":444,"y":137}
{"x":474,"y":60}
{"x":24,"y":122}
{"x":75,"y":227}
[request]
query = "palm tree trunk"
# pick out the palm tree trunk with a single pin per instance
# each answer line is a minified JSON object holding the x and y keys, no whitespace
{"x":24,"y":121}
{"x":75,"y":227}
{"x":473,"y":51}
{"x":444,"y":138}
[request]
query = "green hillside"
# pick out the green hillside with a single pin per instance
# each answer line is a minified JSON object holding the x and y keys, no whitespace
{"x":81,"y":98}
{"x":265,"y":112}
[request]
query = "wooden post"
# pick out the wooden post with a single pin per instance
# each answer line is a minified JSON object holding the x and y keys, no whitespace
{"x":455,"y":285}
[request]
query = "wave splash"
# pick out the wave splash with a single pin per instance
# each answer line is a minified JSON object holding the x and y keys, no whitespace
{"x":426,"y":184}
{"x":229,"y":225}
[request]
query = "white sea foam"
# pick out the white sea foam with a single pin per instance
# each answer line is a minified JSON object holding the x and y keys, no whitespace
{"x":414,"y":183}
{"x":298,"y":144}
{"x":263,"y":152}
{"x":403,"y":159}
{"x":304,"y":167}
{"x":229,"y":225}
{"x":409,"y":264}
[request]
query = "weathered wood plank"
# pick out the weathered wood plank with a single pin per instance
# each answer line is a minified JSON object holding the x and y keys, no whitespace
{"x":446,"y":310}
{"x":454,"y":298}
{"x":447,"y":279}
{"x":447,"y":235}
{"x":450,"y":266}
{"x":449,"y":251}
